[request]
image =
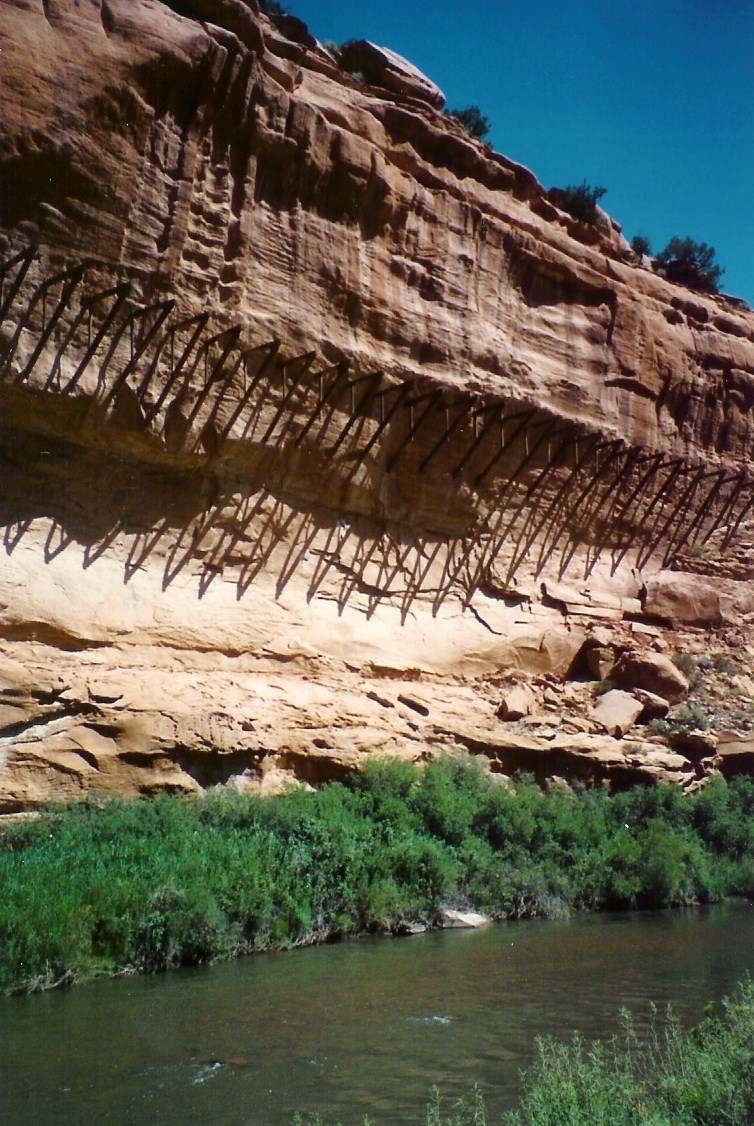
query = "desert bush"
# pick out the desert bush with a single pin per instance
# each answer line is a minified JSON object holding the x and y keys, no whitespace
{"x":690,"y":263}
{"x":689,"y":717}
{"x":686,"y":663}
{"x":580,"y":200}
{"x":641,"y":246}
{"x":671,"y":1078}
{"x":473,"y":121}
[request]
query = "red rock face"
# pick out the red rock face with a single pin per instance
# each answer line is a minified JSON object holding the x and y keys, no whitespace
{"x":243,"y":169}
{"x":204,"y":553}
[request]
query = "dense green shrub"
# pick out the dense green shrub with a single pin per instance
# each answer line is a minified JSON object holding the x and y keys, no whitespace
{"x":690,"y":263}
{"x":676,"y":1078}
{"x":580,"y":200}
{"x":94,"y":888}
{"x":641,"y":246}
{"x":473,"y":121}
{"x":689,"y":666}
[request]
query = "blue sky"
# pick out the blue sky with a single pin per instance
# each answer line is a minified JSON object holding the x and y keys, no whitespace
{"x":653,"y":99}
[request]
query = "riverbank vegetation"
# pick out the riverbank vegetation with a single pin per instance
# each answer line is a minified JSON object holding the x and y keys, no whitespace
{"x":672,"y":1077}
{"x":134,"y":885}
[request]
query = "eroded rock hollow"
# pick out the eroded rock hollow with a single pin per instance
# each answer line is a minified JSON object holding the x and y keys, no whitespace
{"x":320,"y":424}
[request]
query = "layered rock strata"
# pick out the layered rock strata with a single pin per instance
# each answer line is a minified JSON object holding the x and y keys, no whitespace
{"x":317,"y":416}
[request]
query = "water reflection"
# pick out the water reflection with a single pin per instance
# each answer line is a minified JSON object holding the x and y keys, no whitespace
{"x":363,"y":1027}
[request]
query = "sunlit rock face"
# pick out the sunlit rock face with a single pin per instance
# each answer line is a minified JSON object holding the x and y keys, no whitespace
{"x":229,"y":552}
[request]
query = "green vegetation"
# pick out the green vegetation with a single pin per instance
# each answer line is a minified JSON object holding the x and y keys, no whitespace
{"x":690,"y":263}
{"x":724,"y":664}
{"x":688,"y":665}
{"x":641,"y":246}
{"x":682,"y":719}
{"x":704,"y":1077}
{"x":473,"y":121}
{"x":95,"y":889}
{"x":717,"y":698}
{"x":580,"y":200}
{"x":676,"y":1078}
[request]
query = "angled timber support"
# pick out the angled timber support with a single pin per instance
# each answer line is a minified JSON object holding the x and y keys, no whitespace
{"x":227,"y":339}
{"x":738,"y":483}
{"x":401,"y":393}
{"x":635,"y":458}
{"x":269,"y":352}
{"x":534,"y":525}
{"x":498,"y":538}
{"x":20,"y":263}
{"x":740,"y":518}
{"x":467,"y":407}
{"x":69,"y":280}
{"x":163,"y":309}
{"x":572,"y":505}
{"x":119,"y":294}
{"x":431,"y":398}
{"x":495,"y":412}
{"x":633,"y":501}
{"x":294,"y":370}
{"x":654,"y":538}
{"x":676,"y":467}
{"x":709,"y":500}
{"x":198,"y":324}
{"x":339,"y":372}
{"x":525,"y":417}
{"x":357,"y":409}
{"x":166,"y":347}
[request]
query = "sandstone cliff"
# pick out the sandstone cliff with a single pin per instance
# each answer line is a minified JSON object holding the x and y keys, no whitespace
{"x":320,"y":422}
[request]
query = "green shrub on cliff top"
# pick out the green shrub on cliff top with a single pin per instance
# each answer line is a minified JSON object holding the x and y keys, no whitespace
{"x":690,"y":263}
{"x":580,"y":200}
{"x":473,"y":121}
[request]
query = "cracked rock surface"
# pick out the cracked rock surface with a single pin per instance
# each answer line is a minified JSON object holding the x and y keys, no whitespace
{"x":230,"y":555}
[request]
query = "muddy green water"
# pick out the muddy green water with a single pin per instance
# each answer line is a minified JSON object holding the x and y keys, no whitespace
{"x":362,"y":1027}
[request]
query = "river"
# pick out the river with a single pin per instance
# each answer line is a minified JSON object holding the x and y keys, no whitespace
{"x":355,"y":1028}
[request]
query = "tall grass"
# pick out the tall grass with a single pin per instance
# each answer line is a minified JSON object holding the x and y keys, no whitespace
{"x":95,"y":888}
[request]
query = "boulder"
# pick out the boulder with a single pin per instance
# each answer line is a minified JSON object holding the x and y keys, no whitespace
{"x":694,"y":745}
{"x":735,"y":753}
{"x":449,"y":917}
{"x":617,"y":712}
{"x":517,"y":702}
{"x":383,"y":67}
{"x":744,"y":684}
{"x":654,"y":672}
{"x":682,"y":599}
{"x":600,"y":652}
{"x":653,"y":706}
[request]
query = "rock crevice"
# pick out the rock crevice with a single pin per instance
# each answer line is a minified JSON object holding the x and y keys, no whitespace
{"x":300,"y":383}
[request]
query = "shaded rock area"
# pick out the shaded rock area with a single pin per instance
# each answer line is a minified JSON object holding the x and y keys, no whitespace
{"x":385,"y":68}
{"x":325,"y":433}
